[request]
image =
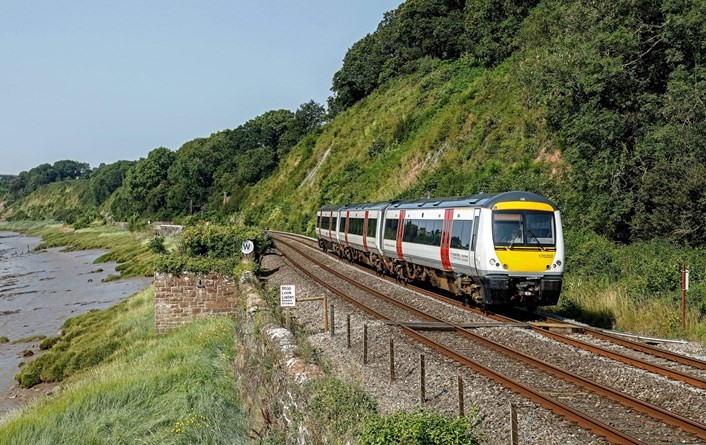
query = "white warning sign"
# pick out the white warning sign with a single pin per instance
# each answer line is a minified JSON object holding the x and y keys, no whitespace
{"x":287,"y":296}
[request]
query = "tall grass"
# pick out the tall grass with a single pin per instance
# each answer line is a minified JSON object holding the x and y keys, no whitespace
{"x":609,"y":306}
{"x":173,"y":389}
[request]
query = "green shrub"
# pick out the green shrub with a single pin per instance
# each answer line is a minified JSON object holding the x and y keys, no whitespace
{"x":156,"y":245}
{"x":421,"y":427}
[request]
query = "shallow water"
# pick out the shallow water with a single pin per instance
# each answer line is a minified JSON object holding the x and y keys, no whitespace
{"x":40,"y":290}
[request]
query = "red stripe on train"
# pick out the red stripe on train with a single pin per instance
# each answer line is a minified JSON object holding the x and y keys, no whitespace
{"x":348,"y":218}
{"x":365,"y":232}
{"x":446,"y":239}
{"x":400,"y":232}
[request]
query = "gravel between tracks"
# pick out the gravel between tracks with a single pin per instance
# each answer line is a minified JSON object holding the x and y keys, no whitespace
{"x":536,"y":424}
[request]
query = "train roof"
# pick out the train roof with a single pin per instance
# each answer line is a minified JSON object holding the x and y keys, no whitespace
{"x":349,"y":207}
{"x":487,"y":200}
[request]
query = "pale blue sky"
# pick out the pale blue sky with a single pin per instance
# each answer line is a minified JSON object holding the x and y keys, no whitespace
{"x":98,"y":80}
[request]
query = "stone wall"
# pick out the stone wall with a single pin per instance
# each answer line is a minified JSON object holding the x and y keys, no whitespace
{"x":166,"y":229}
{"x":180,"y":298}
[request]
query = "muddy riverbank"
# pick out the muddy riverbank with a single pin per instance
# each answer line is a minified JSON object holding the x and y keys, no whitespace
{"x":38,"y":292}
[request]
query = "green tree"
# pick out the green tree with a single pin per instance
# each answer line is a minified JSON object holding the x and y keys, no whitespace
{"x":145,"y":186}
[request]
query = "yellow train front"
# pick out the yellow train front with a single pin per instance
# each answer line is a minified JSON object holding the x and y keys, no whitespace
{"x":521,"y":258}
{"x":504,"y":249}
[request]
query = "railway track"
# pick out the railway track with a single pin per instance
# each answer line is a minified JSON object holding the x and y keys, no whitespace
{"x":687,"y":373}
{"x":459,"y":344}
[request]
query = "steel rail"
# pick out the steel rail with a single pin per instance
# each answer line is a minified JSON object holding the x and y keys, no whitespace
{"x":599,"y":350}
{"x":611,"y":434}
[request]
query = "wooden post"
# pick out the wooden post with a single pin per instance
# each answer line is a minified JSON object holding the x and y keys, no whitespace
{"x":683,"y":297}
{"x":514,"y":436}
{"x":422,"y":381}
{"x":333,"y":320}
{"x":348,"y":329}
{"x":365,"y":344}
{"x":325,"y":313}
{"x":461,"y":410}
{"x":392,"y":360}
{"x":287,"y":319}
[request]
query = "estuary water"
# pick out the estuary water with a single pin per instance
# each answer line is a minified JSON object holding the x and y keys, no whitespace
{"x":38,"y":292}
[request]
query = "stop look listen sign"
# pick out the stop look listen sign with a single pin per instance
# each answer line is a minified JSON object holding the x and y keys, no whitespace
{"x":287,"y":295}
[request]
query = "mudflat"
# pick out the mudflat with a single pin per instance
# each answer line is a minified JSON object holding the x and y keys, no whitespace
{"x":38,"y":292}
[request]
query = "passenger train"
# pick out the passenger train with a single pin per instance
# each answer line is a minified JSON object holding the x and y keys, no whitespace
{"x":504,"y":249}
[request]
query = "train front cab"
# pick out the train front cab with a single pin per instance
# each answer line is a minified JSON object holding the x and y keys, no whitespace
{"x":524,"y":255}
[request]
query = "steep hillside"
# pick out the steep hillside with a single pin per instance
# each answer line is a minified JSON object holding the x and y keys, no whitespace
{"x":59,"y":200}
{"x":450,"y":128}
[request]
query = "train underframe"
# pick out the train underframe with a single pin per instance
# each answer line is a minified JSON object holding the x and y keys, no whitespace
{"x":491,"y":290}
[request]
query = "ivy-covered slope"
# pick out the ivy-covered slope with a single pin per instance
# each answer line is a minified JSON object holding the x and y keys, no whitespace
{"x":450,"y":128}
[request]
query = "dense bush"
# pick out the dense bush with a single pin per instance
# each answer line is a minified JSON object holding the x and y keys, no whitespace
{"x":207,"y":247}
{"x":222,"y":242}
{"x":421,"y":427}
{"x":156,"y":245}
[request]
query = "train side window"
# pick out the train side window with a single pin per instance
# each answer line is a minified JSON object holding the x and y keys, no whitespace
{"x":372,"y":227}
{"x":461,"y":234}
{"x":437,"y":227}
{"x":466,"y":237}
{"x":359,"y":226}
{"x":325,"y":222}
{"x":421,"y":237}
{"x":391,"y":228}
{"x":334,"y":225}
{"x":429,"y":235}
{"x":410,"y":231}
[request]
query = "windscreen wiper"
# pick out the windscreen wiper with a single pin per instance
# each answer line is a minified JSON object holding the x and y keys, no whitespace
{"x":518,"y":231}
{"x":539,"y":244}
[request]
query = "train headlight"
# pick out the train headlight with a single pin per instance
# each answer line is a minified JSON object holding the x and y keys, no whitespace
{"x":558,"y":262}
{"x":492,"y":261}
{"x":504,"y":266}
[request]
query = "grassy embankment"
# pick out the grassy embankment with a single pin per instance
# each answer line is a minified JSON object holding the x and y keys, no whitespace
{"x":452,"y":129}
{"x":128,"y":248}
{"x":124,"y":385}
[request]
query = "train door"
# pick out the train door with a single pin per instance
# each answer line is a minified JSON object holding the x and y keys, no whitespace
{"x":474,"y":240}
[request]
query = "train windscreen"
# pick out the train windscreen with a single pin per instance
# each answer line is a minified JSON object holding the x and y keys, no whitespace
{"x":516,"y":228}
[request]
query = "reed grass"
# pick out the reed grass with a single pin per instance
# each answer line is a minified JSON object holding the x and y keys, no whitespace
{"x":173,"y":389}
